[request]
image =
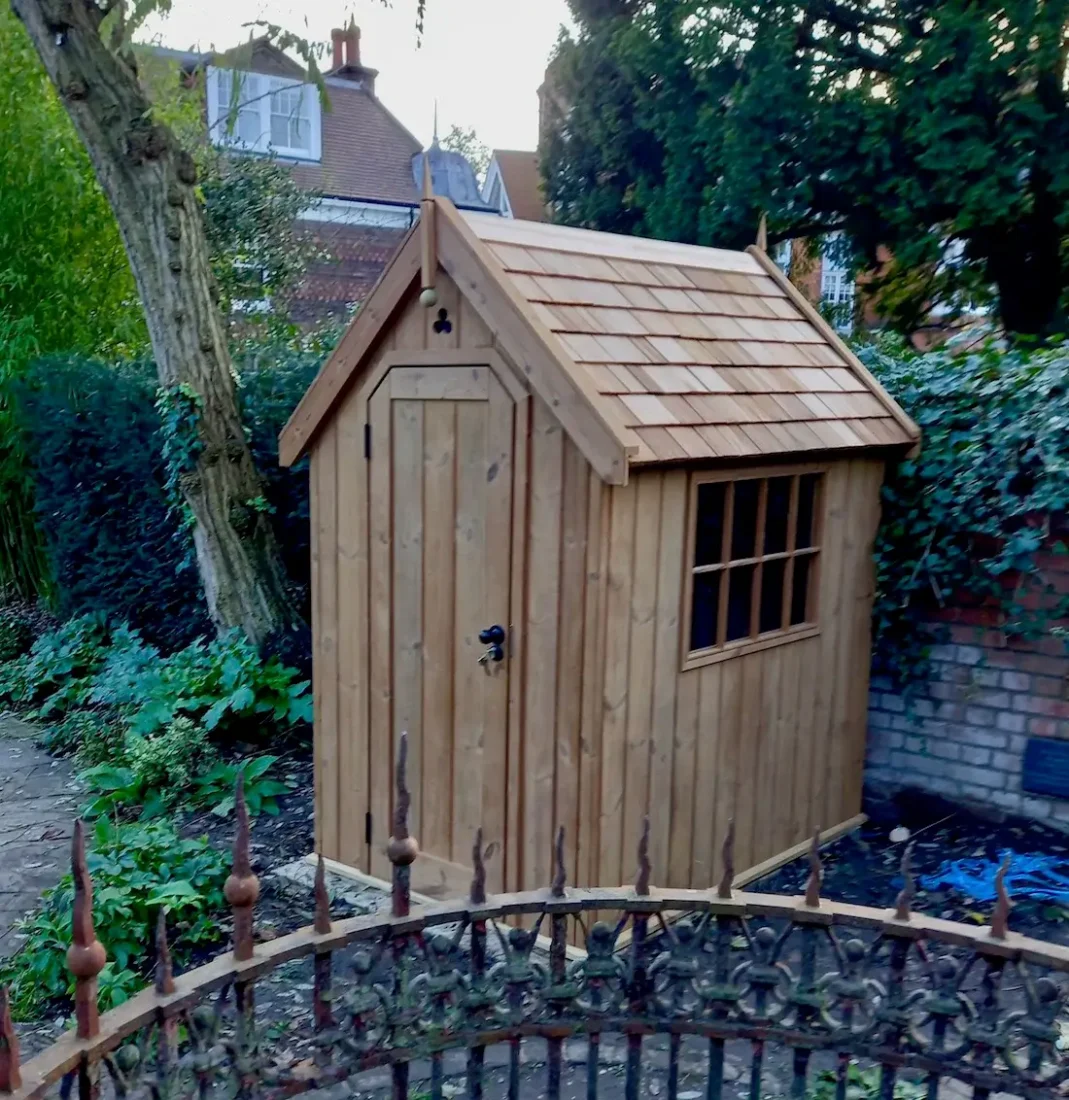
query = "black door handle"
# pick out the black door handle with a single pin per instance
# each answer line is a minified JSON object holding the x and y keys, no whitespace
{"x":493,"y":635}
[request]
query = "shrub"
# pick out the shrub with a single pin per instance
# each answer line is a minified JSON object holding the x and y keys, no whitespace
{"x":93,"y":736}
{"x":16,"y":636}
{"x":170,"y":760}
{"x":114,"y":545}
{"x":136,"y":869}
{"x":966,"y":518}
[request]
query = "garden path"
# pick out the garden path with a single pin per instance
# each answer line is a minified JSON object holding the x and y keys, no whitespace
{"x":38,"y":804}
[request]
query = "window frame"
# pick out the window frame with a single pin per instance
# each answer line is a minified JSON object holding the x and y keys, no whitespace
{"x":218,"y":112}
{"x":754,"y":642}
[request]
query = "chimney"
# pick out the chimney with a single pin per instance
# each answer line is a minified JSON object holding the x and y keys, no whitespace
{"x":337,"y":38}
{"x":352,"y":44}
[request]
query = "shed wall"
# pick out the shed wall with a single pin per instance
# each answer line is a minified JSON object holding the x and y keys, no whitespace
{"x":773,"y":739}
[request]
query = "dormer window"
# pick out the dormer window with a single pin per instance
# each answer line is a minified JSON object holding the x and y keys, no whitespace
{"x":263,"y":114}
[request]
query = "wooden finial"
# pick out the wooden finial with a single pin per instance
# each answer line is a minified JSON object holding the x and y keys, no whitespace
{"x":322,"y":899}
{"x":428,"y":238}
{"x":10,"y":1075}
{"x":1000,"y":918}
{"x":478,"y":878}
{"x":86,"y":956}
{"x":242,"y":887}
{"x":762,"y":233}
{"x":560,"y":874}
{"x":905,"y":895}
{"x":816,"y":873}
{"x":402,"y":849}
{"x":164,"y":965}
{"x":642,"y":878}
{"x":728,"y":856}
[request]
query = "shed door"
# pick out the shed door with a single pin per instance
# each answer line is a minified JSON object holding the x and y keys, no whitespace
{"x":440,"y":486}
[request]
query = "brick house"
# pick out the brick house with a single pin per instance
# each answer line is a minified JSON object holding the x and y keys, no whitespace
{"x":351,"y":151}
{"x":513,"y":185}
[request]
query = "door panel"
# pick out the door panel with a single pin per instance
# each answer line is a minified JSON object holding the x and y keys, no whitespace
{"x":443,"y":475}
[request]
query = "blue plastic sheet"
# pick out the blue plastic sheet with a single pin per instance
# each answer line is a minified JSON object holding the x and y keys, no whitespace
{"x":1045,"y":878}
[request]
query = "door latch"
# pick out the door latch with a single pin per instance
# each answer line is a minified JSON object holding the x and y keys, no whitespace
{"x":493,"y":637}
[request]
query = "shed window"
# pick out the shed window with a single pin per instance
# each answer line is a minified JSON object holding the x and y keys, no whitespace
{"x":754,"y":558}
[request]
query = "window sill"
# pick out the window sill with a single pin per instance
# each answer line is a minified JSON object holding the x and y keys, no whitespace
{"x":745,"y":646}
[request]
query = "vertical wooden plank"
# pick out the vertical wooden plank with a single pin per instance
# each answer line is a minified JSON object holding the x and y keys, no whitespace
{"x":725,"y":726}
{"x":410,"y":331}
{"x":474,"y":332}
{"x":515,"y":806}
{"x":439,"y":569}
{"x":543,"y":613}
{"x":597,"y":566}
{"x":352,"y":636}
{"x":570,"y":645}
{"x":832,"y":527}
{"x":765,"y":779}
{"x":671,"y":538}
{"x":469,"y":676}
{"x":640,"y":663}
{"x":407,"y":470}
{"x":748,"y":793}
{"x":688,"y":800}
{"x":315,"y":549}
{"x":497,"y":572}
{"x":805,"y":736}
{"x":326,"y":687}
{"x":380,"y":647}
{"x":617,"y":649}
{"x":788,"y":748}
{"x":704,"y":854}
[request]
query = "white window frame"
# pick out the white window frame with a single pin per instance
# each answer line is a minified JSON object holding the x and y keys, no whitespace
{"x":218,"y":113}
{"x":838,"y":287}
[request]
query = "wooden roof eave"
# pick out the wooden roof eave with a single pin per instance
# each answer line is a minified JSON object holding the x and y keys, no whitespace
{"x":335,"y":376}
{"x":537,"y":353}
{"x":813,"y":315}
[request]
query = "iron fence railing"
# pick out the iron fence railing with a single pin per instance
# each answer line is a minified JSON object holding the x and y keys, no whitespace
{"x":799,"y":983}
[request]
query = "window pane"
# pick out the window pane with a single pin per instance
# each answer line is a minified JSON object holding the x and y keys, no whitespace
{"x":803,"y":574}
{"x":807,"y":503}
{"x":777,"y":514}
{"x":705,"y":610}
{"x":740,"y":588}
{"x":744,"y":519}
{"x":772,"y":574}
{"x":709,"y":534}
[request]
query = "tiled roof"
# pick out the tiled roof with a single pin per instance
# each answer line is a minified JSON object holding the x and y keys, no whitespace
{"x":522,"y":180}
{"x":367,"y":153}
{"x":700,"y":352}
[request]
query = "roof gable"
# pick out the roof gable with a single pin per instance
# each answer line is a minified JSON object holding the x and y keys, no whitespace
{"x":646,"y":351}
{"x":521,"y":179}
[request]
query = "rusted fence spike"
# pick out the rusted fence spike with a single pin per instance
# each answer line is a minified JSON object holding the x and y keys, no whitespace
{"x":322,"y":899}
{"x":402,"y":849}
{"x":86,"y":955}
{"x":906,"y":894}
{"x":164,"y":964}
{"x":478,"y":877}
{"x":242,"y":887}
{"x":10,"y":1075}
{"x":727,"y":855}
{"x":560,"y":873}
{"x":642,"y":878}
{"x":1000,"y":917}
{"x":816,"y":873}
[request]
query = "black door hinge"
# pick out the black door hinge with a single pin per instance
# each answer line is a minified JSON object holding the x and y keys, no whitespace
{"x":367,"y":827}
{"x":367,"y":441}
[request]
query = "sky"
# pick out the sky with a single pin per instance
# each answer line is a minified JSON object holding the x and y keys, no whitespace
{"x":482,"y":60}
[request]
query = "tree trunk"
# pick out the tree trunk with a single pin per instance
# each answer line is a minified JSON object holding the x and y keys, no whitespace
{"x":149,"y":182}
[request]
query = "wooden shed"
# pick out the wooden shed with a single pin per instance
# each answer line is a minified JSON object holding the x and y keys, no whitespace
{"x":592,"y":520}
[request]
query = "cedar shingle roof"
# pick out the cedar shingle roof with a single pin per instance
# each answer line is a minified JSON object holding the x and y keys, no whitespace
{"x":701,"y":352}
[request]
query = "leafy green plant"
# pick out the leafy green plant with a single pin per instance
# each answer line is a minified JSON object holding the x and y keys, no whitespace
{"x":16,"y":636}
{"x":862,"y":1083}
{"x":92,"y":736}
{"x":170,"y":760}
{"x":136,"y":869}
{"x":966,"y":518}
{"x":215,"y":789}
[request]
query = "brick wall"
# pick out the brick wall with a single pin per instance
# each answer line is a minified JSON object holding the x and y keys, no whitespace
{"x":963,"y":733}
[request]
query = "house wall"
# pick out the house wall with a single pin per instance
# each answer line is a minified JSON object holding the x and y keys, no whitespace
{"x":773,"y":739}
{"x":963,"y":732}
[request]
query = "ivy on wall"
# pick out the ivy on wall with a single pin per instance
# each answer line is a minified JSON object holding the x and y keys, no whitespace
{"x":965,"y":520}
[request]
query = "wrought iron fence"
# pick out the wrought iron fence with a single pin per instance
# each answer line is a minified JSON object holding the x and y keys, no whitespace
{"x":798,"y":981}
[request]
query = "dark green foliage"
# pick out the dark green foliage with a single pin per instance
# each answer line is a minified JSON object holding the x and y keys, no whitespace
{"x":904,"y":125}
{"x":136,"y":869}
{"x":16,"y":636}
{"x":964,"y":521}
{"x":114,"y":544}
